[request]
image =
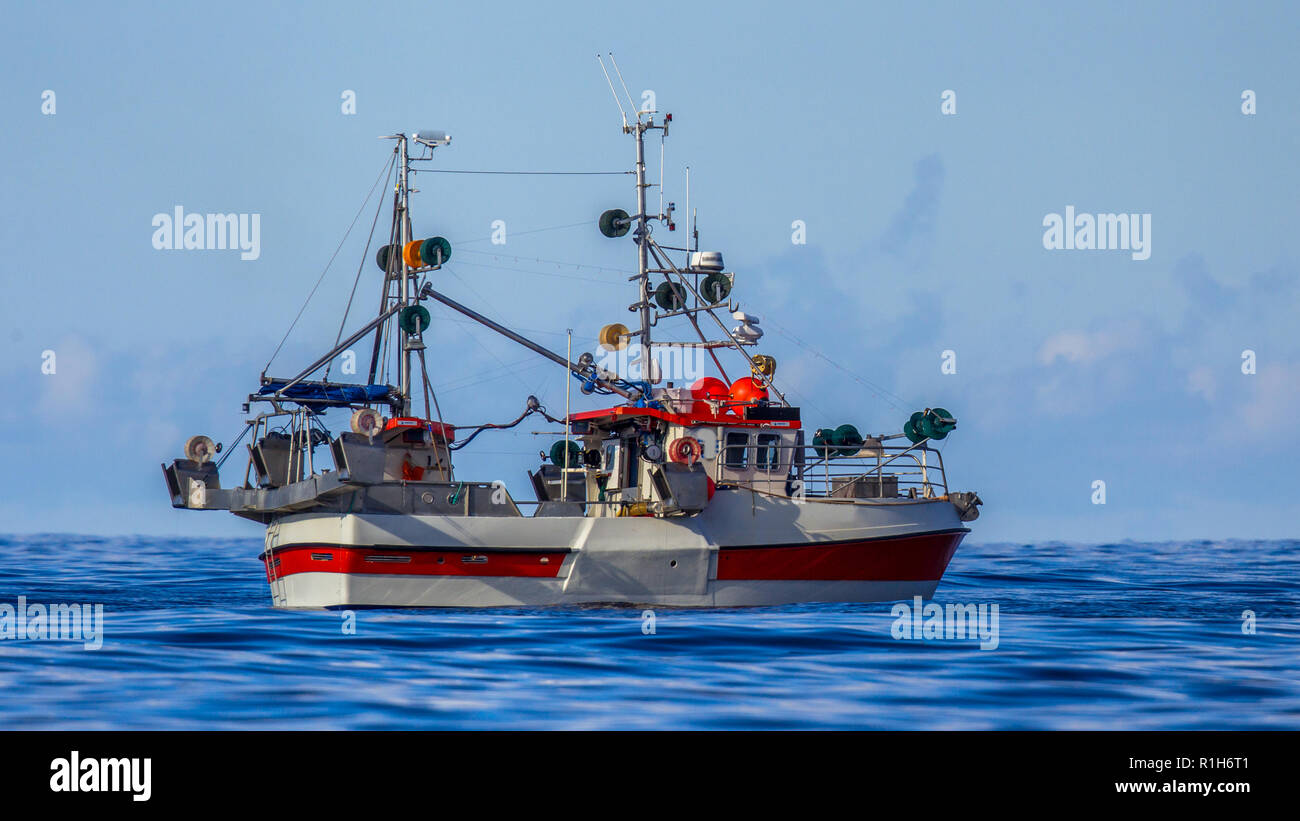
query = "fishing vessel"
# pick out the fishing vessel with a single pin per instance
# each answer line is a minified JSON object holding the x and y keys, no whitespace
{"x":708,"y":492}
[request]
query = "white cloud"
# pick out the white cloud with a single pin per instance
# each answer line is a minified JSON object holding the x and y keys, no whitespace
{"x":69,"y":391}
{"x":1273,"y":395}
{"x":1087,"y":347}
{"x":1201,"y":381}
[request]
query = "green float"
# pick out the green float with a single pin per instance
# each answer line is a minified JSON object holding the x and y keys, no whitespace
{"x":715,"y":288}
{"x":842,"y":441}
{"x":671,"y":296}
{"x":574,"y":453}
{"x":615,"y":222}
{"x":931,"y":423}
{"x":847,"y":438}
{"x":414,"y":319}
{"x":430,"y":249}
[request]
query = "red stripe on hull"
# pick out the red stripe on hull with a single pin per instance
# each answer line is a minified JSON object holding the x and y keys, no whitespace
{"x":906,"y":558}
{"x":398,"y":562}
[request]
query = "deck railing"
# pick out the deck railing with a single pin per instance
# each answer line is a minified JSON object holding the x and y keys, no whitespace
{"x":882,"y":469}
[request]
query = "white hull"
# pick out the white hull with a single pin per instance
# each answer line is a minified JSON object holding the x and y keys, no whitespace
{"x":745,"y":549}
{"x":333,"y":590}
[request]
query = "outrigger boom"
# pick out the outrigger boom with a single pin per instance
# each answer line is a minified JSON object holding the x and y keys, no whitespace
{"x":578,"y":370}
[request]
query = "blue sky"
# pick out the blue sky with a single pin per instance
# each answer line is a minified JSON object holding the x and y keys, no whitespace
{"x":924,"y":231}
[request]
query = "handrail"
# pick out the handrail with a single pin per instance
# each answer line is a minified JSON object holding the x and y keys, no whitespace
{"x":823,"y":472}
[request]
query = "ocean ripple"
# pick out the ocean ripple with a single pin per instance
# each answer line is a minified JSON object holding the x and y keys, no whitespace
{"x":1119,"y":636}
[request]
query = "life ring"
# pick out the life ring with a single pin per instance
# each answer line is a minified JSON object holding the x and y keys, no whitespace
{"x":684,"y":450}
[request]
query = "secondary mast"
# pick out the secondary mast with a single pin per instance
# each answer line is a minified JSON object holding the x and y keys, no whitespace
{"x":403,"y":217}
{"x":642,"y":234}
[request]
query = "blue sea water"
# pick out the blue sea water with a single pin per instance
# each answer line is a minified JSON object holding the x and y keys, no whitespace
{"x":1117,"y":636}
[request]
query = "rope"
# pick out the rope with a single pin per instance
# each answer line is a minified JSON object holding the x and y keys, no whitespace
{"x":383,"y":174}
{"x":364,"y":256}
{"x":545,"y":273}
{"x":522,"y":233}
{"x":428,"y":391}
{"x":876,"y":389}
{"x":476,"y":340}
{"x":532,"y":407}
{"x":455,"y":497}
{"x":526,"y":173}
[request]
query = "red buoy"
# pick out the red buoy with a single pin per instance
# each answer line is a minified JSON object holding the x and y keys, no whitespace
{"x":710,"y":387}
{"x":748,"y":390}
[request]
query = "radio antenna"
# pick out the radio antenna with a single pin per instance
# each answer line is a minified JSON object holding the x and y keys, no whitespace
{"x":690,"y":218}
{"x":625,"y":91}
{"x":661,"y":174}
{"x":621,"y":112}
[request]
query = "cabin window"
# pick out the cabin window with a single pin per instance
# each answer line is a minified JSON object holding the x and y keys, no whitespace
{"x":737,"y":452}
{"x":768,"y":456}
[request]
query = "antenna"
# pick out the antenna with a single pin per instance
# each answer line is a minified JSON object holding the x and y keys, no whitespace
{"x":568,"y":424}
{"x":662,"y":140}
{"x":621,"y":112}
{"x":625,"y":91}
{"x":692,"y":220}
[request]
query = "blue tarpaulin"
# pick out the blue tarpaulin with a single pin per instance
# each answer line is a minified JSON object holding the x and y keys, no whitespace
{"x":312,"y":393}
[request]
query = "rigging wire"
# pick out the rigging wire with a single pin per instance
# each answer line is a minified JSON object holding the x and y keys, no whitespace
{"x":383,"y":362}
{"x":383,"y":173}
{"x":880,"y":392}
{"x":540,"y":273}
{"x":478,"y":378}
{"x":557,"y":262}
{"x":471,"y":323}
{"x":429,"y":393}
{"x":364,"y":255}
{"x":522,"y":233}
{"x":479,"y":342}
{"x":526,"y":173}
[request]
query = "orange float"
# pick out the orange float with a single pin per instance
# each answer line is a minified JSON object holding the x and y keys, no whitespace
{"x":710,"y":387}
{"x":707,"y":389}
{"x":411,"y":254}
{"x":748,"y":390}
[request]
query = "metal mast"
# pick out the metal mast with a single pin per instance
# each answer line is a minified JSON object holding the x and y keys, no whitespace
{"x":404,"y":236}
{"x":642,"y":234}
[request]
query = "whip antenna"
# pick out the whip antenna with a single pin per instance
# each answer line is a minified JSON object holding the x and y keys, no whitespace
{"x":625,"y":91}
{"x":661,"y":173}
{"x":621,"y":112}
